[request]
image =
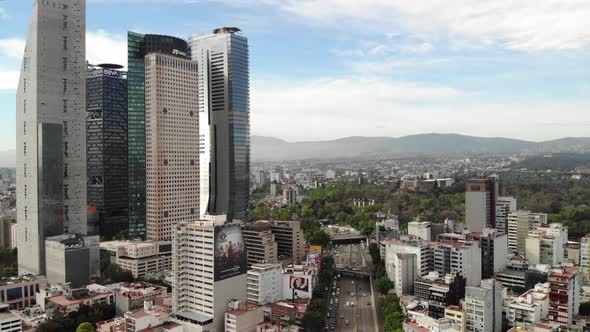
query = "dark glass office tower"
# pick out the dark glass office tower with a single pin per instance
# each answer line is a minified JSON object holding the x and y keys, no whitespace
{"x":106,"y":150}
{"x":138,"y":45}
{"x":224,"y":121}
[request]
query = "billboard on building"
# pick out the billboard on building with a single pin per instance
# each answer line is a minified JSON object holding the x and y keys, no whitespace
{"x":230,"y":252}
{"x":299,"y":283}
{"x":315,"y":249}
{"x":313,"y":258}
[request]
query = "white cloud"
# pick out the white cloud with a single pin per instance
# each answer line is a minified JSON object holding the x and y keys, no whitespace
{"x":529,"y":25}
{"x":332,"y":108}
{"x":13,"y":48}
{"x":9,"y":79}
{"x":3,"y":14}
{"x":102,"y":47}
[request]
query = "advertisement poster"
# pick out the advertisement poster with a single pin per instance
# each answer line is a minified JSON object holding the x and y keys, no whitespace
{"x":315,"y":249}
{"x":313,"y":258}
{"x":230,"y":252}
{"x":299,"y":283}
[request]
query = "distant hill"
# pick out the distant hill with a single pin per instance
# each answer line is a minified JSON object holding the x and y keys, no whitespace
{"x":270,"y":148}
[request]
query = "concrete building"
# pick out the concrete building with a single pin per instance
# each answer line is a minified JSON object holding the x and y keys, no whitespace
{"x":290,"y":240}
{"x":260,"y":243}
{"x":72,"y":259}
{"x":585,"y":257}
{"x":243,"y":317}
{"x":480,"y":203}
{"x":6,"y":231}
{"x":572,"y":252}
{"x":445,"y":292}
{"x":264,"y":284}
{"x":405,"y":273}
{"x":420,"y":229}
{"x":72,"y":298}
{"x":408,"y":245}
{"x":172,"y":143}
{"x":386,"y":230}
{"x":19,"y":292}
{"x":9,"y":321}
{"x":494,"y":251}
{"x":106,"y":150}
{"x":545,"y":244}
{"x":132,"y":296}
{"x":462,"y":258}
{"x":298,"y":281}
{"x":519,"y":225}
{"x":564,"y":296}
{"x":51,"y":130}
{"x":483,"y":307}
{"x":456,"y":314}
{"x":504,"y":206}
{"x":140,"y":258}
{"x":138,"y":46}
{"x":210,"y":266}
{"x":225,"y":121}
{"x":529,"y":307}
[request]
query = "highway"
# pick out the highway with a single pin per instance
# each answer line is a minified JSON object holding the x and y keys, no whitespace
{"x":354,"y":310}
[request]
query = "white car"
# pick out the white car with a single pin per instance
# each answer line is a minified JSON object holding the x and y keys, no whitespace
{"x":348,"y":304}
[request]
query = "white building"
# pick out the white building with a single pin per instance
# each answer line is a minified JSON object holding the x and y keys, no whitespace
{"x":9,"y":321}
{"x":243,"y":317}
{"x":504,"y":206}
{"x":141,"y":258}
{"x":51,"y":130}
{"x":519,"y":225}
{"x":585,"y":257}
{"x":405,"y":273}
{"x":530,"y":307}
{"x":483,"y":307}
{"x":420,"y":229}
{"x":210,"y":270}
{"x":462,"y":258}
{"x":408,"y":245}
{"x":265,"y":283}
{"x":545,"y":244}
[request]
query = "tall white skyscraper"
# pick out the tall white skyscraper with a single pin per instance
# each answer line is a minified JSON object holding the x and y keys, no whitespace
{"x":209,"y":262}
{"x":51,"y":130}
{"x":224,"y":121}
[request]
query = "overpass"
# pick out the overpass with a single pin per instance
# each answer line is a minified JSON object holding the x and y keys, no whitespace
{"x":347,"y":238}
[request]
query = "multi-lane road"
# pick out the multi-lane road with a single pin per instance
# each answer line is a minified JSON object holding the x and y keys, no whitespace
{"x":351,"y":307}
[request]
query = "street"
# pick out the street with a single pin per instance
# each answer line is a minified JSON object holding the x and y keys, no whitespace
{"x":353,"y":311}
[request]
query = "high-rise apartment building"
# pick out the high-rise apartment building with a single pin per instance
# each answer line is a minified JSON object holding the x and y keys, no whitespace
{"x":585,"y":257}
{"x":51,"y":122}
{"x":564,"y":295}
{"x":408,"y":245}
{"x":106,"y":150}
{"x":224,"y":121}
{"x":462,"y":258}
{"x":209,"y":262}
{"x":494,"y":251}
{"x":480,"y":203}
{"x":405,"y":273}
{"x":138,"y":46}
{"x":264,"y":283}
{"x":504,"y":206}
{"x":260,"y":243}
{"x":290,"y":240}
{"x":445,"y":292}
{"x":545,"y":244}
{"x":483,"y":307}
{"x":172,"y":143}
{"x":519,"y":225}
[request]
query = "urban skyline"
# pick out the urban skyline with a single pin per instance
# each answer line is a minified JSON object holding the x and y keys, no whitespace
{"x":420,"y":74}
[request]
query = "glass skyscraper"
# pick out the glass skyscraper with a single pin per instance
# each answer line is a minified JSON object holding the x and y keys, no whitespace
{"x":224,"y":112}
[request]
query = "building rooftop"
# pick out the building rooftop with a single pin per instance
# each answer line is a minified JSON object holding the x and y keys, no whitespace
{"x":20,"y":279}
{"x":64,"y":301}
{"x":247,"y":307}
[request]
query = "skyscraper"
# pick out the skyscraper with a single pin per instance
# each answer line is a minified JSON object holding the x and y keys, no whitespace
{"x":480,"y":203}
{"x":172,"y":143}
{"x":106,"y":150}
{"x":51,"y":122}
{"x":138,"y":46}
{"x":224,"y":121}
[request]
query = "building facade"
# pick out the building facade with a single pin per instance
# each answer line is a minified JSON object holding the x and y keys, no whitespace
{"x":172,"y":144}
{"x":564,"y":296}
{"x":225,"y":121}
{"x":483,"y":307}
{"x":260,"y":243}
{"x":72,"y":259}
{"x":480,"y":203}
{"x":106,"y":150}
{"x":138,"y":46}
{"x":51,"y":122}
{"x":504,"y":206}
{"x":519,"y":225}
{"x":264,"y":283}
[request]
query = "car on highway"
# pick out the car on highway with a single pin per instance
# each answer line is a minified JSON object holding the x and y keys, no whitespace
{"x":352,"y":304}
{"x":341,"y":316}
{"x":346,"y":322}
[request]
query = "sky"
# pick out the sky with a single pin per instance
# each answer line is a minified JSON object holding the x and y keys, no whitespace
{"x":325,"y":69}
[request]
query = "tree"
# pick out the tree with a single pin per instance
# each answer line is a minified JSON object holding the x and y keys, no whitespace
{"x":117,"y":274}
{"x":383,"y":285}
{"x":585,"y":309}
{"x":85,"y":327}
{"x":312,"y":321}
{"x":318,"y":237}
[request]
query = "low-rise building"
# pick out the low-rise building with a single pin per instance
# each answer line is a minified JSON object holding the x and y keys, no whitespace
{"x":264,"y":284}
{"x":71,"y":299}
{"x":139,"y":258}
{"x":19,"y":292}
{"x":131,"y":296}
{"x":9,"y":321}
{"x":243,"y":317}
{"x":530,"y":307}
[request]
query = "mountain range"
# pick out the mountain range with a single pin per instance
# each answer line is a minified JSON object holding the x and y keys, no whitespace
{"x":266,"y":148}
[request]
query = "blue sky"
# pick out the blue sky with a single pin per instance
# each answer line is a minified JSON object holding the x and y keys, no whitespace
{"x":333,"y":68}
